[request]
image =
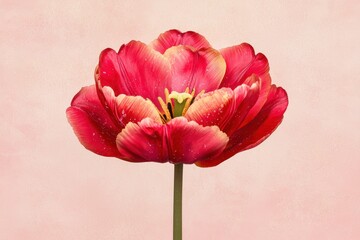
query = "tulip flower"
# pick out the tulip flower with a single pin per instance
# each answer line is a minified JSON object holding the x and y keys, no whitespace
{"x":177,"y":100}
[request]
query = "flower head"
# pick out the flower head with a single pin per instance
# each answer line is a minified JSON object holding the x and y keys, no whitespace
{"x":177,"y":100}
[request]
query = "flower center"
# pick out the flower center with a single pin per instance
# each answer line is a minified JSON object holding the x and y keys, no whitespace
{"x":176,"y":104}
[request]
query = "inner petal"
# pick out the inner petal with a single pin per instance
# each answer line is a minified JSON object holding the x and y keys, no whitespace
{"x":175,"y":37}
{"x":224,"y":107}
{"x":200,"y":70}
{"x":136,"y":70}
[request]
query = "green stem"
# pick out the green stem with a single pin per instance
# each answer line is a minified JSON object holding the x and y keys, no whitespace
{"x":177,"y":211}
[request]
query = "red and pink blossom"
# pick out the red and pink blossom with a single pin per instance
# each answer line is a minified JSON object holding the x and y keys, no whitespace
{"x":177,"y":100}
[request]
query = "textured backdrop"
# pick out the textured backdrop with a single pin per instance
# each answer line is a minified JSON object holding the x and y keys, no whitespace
{"x":301,"y":183}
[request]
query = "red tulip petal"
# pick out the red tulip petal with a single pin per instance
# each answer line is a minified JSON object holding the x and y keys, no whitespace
{"x":108,"y":72}
{"x":142,"y":142}
{"x":257,"y":130}
{"x":134,"y":109}
{"x":136,"y":70}
{"x":174,"y":38}
{"x":241,"y":62}
{"x":190,"y":142}
{"x":224,"y":107}
{"x":242,"y":108}
{"x":178,"y":141}
{"x":92,"y":124}
{"x":212,"y":108}
{"x":199,"y":70}
{"x":264,"y":123}
{"x":265,"y":85}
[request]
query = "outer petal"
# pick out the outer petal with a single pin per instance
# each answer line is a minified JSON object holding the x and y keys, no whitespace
{"x":257,"y":130}
{"x":189,"y":142}
{"x":241,"y":64}
{"x":224,"y":107}
{"x":175,"y":38}
{"x":178,"y":141}
{"x":136,"y":70}
{"x":108,"y":72}
{"x":199,"y":70}
{"x":92,"y":124}
{"x":143,"y":142}
{"x":264,"y":88}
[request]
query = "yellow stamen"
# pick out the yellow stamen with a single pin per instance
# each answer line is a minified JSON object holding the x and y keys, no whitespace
{"x":164,"y":108}
{"x":188,"y":101}
{"x":176,"y":104}
{"x":167,"y":99}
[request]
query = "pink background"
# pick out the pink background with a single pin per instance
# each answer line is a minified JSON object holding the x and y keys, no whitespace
{"x":302,"y":183}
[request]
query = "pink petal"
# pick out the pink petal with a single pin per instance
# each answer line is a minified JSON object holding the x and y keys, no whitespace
{"x":178,"y":141}
{"x":136,"y":70}
{"x":199,"y":70}
{"x":257,"y":130}
{"x":241,"y":62}
{"x":92,"y":124}
{"x":189,"y":142}
{"x":264,"y":88}
{"x":264,"y":123}
{"x":174,"y":38}
{"x":143,"y":142}
{"x":241,"y":65}
{"x":134,"y":109}
{"x":126,"y":109}
{"x":108,"y":72}
{"x":225,"y":108}
{"x":242,"y":106}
